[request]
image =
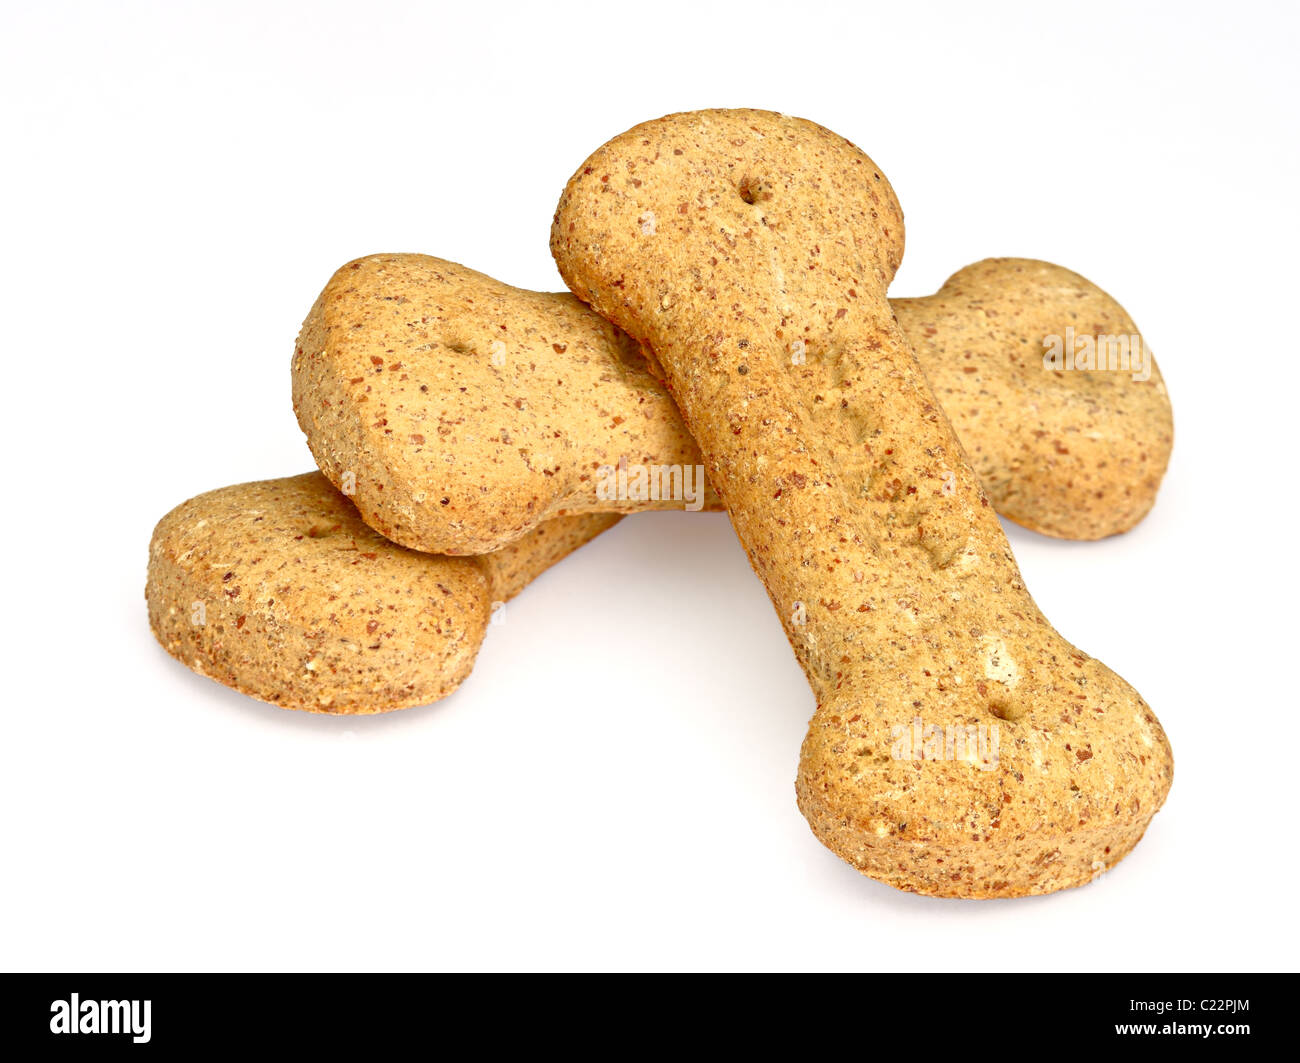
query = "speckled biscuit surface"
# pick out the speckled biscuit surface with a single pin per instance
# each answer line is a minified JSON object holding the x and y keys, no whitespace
{"x":849,"y":491}
{"x":467,"y":411}
{"x":280,"y":590}
{"x":1077,"y":453}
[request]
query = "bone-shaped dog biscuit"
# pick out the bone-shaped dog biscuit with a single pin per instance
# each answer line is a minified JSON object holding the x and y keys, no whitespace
{"x":1076,"y":450}
{"x":461,"y":411}
{"x":280,"y":590}
{"x":890,"y":572}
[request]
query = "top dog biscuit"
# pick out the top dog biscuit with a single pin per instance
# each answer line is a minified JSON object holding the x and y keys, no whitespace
{"x":845,"y":483}
{"x":458,"y":412}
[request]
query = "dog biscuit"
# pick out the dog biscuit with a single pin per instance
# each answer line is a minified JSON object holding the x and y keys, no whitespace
{"x":462,"y":411}
{"x":849,"y":490}
{"x":1070,"y":451}
{"x":280,"y":590}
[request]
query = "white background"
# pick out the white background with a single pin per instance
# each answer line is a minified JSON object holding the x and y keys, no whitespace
{"x":613,"y":787}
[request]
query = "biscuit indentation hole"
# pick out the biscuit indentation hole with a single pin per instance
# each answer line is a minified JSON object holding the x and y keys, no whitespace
{"x":1005,"y":709}
{"x":755,"y":189}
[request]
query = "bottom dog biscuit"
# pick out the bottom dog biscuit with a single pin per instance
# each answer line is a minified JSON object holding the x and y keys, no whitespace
{"x":280,"y":590}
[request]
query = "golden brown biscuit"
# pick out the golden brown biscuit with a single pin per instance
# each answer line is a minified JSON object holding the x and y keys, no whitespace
{"x":462,"y":411}
{"x":280,"y":590}
{"x":458,"y":412}
{"x":960,"y":746}
{"x":1076,"y":453}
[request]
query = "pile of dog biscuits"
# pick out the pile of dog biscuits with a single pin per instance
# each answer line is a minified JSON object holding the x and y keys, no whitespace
{"x":728,"y":273}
